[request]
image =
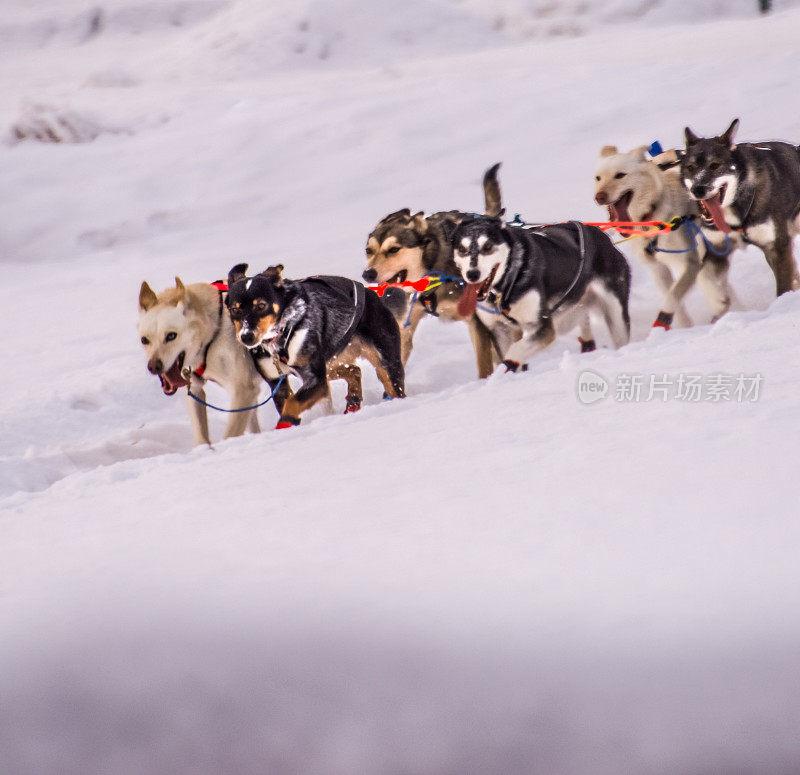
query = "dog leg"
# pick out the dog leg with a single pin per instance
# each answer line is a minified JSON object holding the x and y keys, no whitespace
{"x":780,"y":259}
{"x":197,"y":413}
{"x":407,"y":331}
{"x":281,"y":393}
{"x":713,"y":281}
{"x":351,"y":374}
{"x":586,"y":337}
{"x":532,"y":342}
{"x":484,"y":345}
{"x":671,"y":306}
{"x":314,"y":389}
{"x":253,"y":424}
{"x":237,"y":424}
{"x":674,"y":298}
{"x":389,"y":370}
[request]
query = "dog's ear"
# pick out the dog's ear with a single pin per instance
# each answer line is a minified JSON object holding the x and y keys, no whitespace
{"x":274,"y":274}
{"x":727,"y":136}
{"x":239,"y":272}
{"x":691,"y":137}
{"x":609,"y":150}
{"x":147,"y":297}
{"x":404,"y":213}
{"x":641,"y":153}
{"x":420,"y":223}
{"x":180,"y":287}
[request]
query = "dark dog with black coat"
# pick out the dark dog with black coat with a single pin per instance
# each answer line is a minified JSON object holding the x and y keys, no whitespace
{"x":525,"y":284}
{"x":315,"y":328}
{"x":752,"y":189}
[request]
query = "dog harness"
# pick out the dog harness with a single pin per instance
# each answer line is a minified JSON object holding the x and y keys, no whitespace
{"x":356,"y":293}
{"x":504,"y":292}
{"x":221,"y":288}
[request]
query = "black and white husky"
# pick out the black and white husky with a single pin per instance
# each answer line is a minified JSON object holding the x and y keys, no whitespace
{"x":749,"y":188}
{"x":527,"y":284}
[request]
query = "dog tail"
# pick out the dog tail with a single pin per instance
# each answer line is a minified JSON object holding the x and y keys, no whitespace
{"x":491,"y":191}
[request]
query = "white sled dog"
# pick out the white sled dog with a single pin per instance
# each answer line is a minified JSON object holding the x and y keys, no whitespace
{"x":188,"y":340}
{"x":635,"y":188}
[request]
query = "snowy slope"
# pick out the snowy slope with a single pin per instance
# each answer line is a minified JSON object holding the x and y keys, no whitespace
{"x":485,"y":577}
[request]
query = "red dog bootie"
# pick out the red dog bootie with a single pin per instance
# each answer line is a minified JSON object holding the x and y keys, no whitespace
{"x":664,"y":320}
{"x":352,"y":405}
{"x":587,"y":345}
{"x":286,"y":422}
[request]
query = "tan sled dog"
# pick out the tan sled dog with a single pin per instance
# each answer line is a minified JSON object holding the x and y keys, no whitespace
{"x":188,"y":338}
{"x":408,"y":247}
{"x":634,"y":188}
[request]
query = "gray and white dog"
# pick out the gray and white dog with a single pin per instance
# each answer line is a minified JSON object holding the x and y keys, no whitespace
{"x":526,"y":285}
{"x":749,"y":188}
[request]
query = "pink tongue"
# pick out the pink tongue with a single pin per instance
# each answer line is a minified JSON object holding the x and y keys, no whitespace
{"x":171,"y":380}
{"x":619,"y":212}
{"x":469,"y":299}
{"x":714,"y":205}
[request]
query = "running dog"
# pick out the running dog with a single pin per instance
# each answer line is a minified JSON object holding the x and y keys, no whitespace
{"x":750,"y":188}
{"x":188,"y":339}
{"x":409,"y":247}
{"x":635,"y":187}
{"x":315,"y":328}
{"x":538,"y":281}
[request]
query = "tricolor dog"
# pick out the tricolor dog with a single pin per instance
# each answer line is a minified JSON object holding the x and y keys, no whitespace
{"x":527,"y":284}
{"x":316,"y":329}
{"x":409,"y":247}
{"x":635,"y":187}
{"x":188,"y":339}
{"x":751,"y":189}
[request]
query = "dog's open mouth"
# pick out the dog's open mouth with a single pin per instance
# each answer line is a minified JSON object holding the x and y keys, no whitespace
{"x":400,"y":277}
{"x":475,"y":292}
{"x":171,"y":379}
{"x":618,"y":211}
{"x":711,"y":209}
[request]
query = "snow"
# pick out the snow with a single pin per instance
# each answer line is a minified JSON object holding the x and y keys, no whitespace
{"x":483,"y":577}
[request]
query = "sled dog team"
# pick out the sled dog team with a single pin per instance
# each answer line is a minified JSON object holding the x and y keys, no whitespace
{"x":517,"y":287}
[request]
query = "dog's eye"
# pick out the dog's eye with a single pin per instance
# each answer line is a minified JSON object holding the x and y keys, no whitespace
{"x":618,"y":176}
{"x":690,"y":168}
{"x":260,"y":305}
{"x":145,"y":340}
{"x":461,"y":250}
{"x":170,"y":336}
{"x":597,"y":178}
{"x":392,"y":250}
{"x":714,"y":165}
{"x":369,"y":251}
{"x":487,"y":248}
{"x":236,"y":313}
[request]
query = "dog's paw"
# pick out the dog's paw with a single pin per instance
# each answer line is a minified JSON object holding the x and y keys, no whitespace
{"x":664,"y":320}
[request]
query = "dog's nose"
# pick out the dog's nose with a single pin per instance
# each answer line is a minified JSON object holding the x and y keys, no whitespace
{"x":601,"y":197}
{"x":370,"y":275}
{"x":473,"y":275}
{"x":699,"y":191}
{"x":247,"y":337}
{"x":155,"y":366}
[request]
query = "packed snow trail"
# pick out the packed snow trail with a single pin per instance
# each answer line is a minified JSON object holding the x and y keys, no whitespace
{"x":483,"y":577}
